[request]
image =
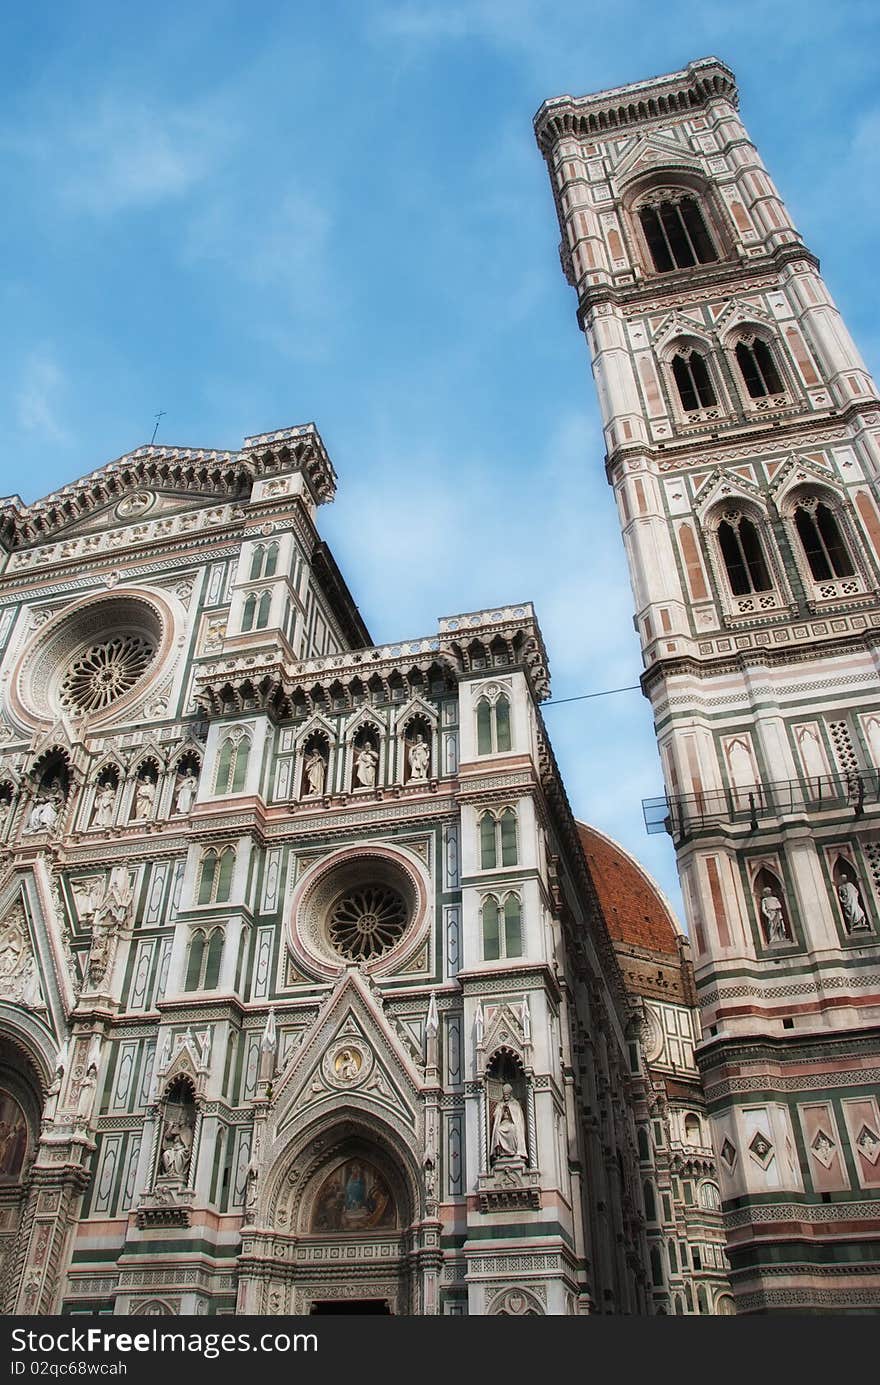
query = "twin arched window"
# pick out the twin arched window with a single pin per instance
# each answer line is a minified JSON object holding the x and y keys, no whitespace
{"x":215,"y":875}
{"x":822,"y":542}
{"x":264,"y":561}
{"x":676,"y":233}
{"x":756,"y":364}
{"x":255,"y":615}
{"x":743,"y":556}
{"x":498,"y":839}
{"x":493,"y":725}
{"x":232,"y":765}
{"x":695,"y":389}
{"x":758,"y":368}
{"x":502,"y":928}
{"x":203,"y":962}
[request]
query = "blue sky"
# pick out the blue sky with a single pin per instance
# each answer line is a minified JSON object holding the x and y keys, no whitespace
{"x":253,"y":216}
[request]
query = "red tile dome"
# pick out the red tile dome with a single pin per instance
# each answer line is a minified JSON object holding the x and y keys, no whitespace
{"x":635,"y":909}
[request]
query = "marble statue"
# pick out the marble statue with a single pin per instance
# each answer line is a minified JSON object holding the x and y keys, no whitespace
{"x":508,"y":1138}
{"x":105,"y":802}
{"x":851,"y":907}
{"x":366,"y":761}
{"x":47,"y":808}
{"x":774,"y":920}
{"x":316,"y":772}
{"x":185,"y":793}
{"x":144,"y":798}
{"x":419,"y":758}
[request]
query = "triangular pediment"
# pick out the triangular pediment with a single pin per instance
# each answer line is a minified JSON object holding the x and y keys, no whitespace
{"x":351,"y":1055}
{"x":646,"y":153}
{"x":795,"y":470}
{"x":725,"y":487}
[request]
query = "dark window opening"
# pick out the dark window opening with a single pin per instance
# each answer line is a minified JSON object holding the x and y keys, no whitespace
{"x":692,"y":378}
{"x":758,"y":370}
{"x":676,"y":235}
{"x":743,"y":557}
{"x":823,"y":545}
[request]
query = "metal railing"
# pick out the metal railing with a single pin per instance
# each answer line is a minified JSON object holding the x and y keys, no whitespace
{"x":682,"y":815}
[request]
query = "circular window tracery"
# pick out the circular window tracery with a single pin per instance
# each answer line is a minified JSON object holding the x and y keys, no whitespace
{"x":106,"y":672}
{"x":366,"y":921}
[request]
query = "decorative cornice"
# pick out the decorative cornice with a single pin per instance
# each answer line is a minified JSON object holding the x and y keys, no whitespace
{"x":619,"y":109}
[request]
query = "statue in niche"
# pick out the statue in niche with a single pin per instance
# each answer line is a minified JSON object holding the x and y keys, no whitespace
{"x":854,"y":916}
{"x":419,"y":758}
{"x":144,"y":798}
{"x":47,"y":809}
{"x":111,"y":912}
{"x":185,"y":793}
{"x":366,"y":761}
{"x":177,"y":1134}
{"x":5,"y":813}
{"x":13,"y":1136}
{"x":773,"y":916}
{"x":316,"y":772}
{"x":105,"y":803}
{"x":508,"y":1137}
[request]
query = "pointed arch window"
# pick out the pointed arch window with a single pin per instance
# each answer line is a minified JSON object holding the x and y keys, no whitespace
{"x":232,"y":764}
{"x":493,"y":725}
{"x":822,"y":542}
{"x":204,"y":959}
{"x":264,"y":562}
{"x":743,"y":556}
{"x":215,"y":876}
{"x":758,"y":369}
{"x":502,"y":928}
{"x":498,"y":839}
{"x":676,"y":233}
{"x":695,"y":389}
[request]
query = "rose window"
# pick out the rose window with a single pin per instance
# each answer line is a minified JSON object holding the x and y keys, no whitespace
{"x":367,"y":921}
{"x":105,"y":672}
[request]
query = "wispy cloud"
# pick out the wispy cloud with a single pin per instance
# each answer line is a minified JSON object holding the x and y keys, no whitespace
{"x":40,"y":396}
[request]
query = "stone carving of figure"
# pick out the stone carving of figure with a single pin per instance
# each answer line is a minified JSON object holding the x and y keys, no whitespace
{"x":419,"y":758}
{"x":5,"y":813}
{"x":111,"y":913}
{"x":185,"y":794}
{"x":366,"y":761}
{"x":851,"y":906}
{"x":105,"y":802}
{"x":774,"y":919}
{"x":508,"y":1139}
{"x":144,"y":798}
{"x":47,"y":808}
{"x":348,"y":1064}
{"x":175,"y":1156}
{"x":316,"y":772}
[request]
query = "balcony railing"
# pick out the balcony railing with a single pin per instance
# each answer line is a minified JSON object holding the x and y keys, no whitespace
{"x":684,"y":814}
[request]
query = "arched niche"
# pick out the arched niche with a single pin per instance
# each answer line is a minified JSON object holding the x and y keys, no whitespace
{"x":350,"y":1198}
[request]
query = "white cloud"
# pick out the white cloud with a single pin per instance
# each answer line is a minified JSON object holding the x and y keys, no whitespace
{"x":39,"y":396}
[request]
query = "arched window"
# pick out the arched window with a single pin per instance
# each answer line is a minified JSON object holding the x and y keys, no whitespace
{"x":498,"y":839}
{"x":203,"y":962}
{"x":758,"y":370}
{"x":247,"y":617}
{"x":493,"y":725}
{"x":644,"y":1146}
{"x":821,"y":539}
{"x":215,"y":878}
{"x":656,"y":1267}
{"x":502,"y":928}
{"x":194,"y":961}
{"x":743,"y":557}
{"x":692,"y":379}
{"x":213,"y":958}
{"x":264,"y":561}
{"x":702,"y":1305}
{"x":650,"y":1202}
{"x":679,"y":1306}
{"x":692,"y":1135}
{"x":232,"y":764}
{"x":676,"y":234}
{"x":263,"y":610}
{"x":710,"y":1197}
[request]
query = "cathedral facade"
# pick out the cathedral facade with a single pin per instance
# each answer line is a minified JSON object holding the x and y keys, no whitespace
{"x":743,"y":445}
{"x":308,"y":1000}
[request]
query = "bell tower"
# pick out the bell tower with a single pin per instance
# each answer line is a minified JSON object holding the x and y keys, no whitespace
{"x":743,"y":444}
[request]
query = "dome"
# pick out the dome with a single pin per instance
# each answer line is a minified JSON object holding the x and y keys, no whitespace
{"x":635,"y":909}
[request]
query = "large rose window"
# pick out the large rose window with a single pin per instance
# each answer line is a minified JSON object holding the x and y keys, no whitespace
{"x":367,"y":921}
{"x":106,"y":672}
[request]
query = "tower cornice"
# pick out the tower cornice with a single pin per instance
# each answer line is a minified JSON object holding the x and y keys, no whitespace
{"x":636,"y":104}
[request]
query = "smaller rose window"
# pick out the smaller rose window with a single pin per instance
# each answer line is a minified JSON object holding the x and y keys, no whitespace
{"x":366,"y":921}
{"x":105,"y":672}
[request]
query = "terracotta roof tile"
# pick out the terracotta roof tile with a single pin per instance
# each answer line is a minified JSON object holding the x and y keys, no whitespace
{"x":634,"y":908}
